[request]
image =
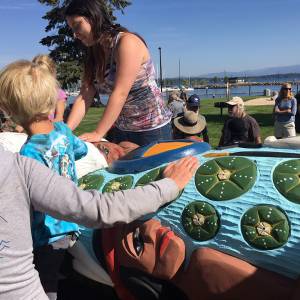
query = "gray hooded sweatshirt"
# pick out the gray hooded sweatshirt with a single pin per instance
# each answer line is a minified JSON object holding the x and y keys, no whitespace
{"x":26,"y":184}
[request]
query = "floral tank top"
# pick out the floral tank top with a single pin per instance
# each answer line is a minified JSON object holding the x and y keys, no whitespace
{"x":144,"y":108}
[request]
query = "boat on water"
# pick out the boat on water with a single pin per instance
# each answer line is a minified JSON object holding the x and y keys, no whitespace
{"x":188,"y":88}
{"x":170,"y":89}
{"x":73,"y":93}
{"x":176,"y":88}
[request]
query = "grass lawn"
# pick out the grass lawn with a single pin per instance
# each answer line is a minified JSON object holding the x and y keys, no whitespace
{"x":263,"y":115}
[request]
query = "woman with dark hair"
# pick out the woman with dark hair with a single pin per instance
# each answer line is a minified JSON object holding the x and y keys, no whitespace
{"x":118,"y":63}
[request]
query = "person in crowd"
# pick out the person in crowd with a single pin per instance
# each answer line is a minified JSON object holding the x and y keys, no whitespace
{"x":285,"y":110}
{"x":175,"y":104}
{"x":297,"y":116}
{"x":192,"y":126}
{"x":27,"y":185}
{"x":193,"y":103}
{"x":237,"y":132}
{"x":236,"y":109}
{"x":118,"y":63}
{"x":46,"y":62}
{"x":183,"y":95}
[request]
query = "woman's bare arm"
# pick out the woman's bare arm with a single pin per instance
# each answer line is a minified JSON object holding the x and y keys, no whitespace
{"x":59,"y":111}
{"x":129,"y":56}
{"x":81,"y":105}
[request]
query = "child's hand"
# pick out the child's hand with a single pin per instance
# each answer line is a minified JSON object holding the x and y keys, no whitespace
{"x":182,"y":170}
{"x":91,"y":137}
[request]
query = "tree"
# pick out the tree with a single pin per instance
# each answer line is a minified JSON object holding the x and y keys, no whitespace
{"x":215,"y":79}
{"x":67,"y":52}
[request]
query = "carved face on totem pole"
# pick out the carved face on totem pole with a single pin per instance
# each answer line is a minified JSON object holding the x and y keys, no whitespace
{"x":150,"y":247}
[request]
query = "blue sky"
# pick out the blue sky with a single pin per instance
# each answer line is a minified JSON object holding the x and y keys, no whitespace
{"x":207,"y":36}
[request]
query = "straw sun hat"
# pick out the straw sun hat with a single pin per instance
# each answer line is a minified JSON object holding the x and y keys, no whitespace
{"x":190,"y":122}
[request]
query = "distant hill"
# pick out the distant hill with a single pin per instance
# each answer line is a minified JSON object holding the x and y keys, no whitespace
{"x":258,"y":72}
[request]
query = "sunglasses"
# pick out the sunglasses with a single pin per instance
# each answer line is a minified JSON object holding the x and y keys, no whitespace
{"x":287,"y":89}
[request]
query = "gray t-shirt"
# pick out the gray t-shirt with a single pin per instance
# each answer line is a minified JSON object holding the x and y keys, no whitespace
{"x":26,"y":184}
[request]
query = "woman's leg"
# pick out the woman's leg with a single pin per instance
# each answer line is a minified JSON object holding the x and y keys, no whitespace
{"x":278,"y":130}
{"x":289,"y":130}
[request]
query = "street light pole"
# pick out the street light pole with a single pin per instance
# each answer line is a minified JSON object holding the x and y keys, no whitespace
{"x":179,"y":75}
{"x":160,"y":70}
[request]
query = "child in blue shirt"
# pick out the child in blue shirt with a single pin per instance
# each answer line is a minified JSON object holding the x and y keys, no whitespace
{"x":29,"y":97}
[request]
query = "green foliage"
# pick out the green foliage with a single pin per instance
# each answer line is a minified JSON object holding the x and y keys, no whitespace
{"x":215,"y":79}
{"x":67,"y":52}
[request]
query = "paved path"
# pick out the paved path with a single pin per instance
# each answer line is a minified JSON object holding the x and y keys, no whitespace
{"x":260,"y":101}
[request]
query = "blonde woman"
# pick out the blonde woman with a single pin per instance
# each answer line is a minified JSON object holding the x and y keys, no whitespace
{"x":285,"y":110}
{"x":46,"y":62}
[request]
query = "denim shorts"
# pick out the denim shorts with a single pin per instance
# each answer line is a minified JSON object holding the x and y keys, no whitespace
{"x":142,"y":138}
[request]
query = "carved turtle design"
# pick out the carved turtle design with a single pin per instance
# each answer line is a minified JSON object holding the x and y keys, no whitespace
{"x":151,"y":176}
{"x":154,"y":175}
{"x":118,"y":184}
{"x":286,"y":178}
{"x":200,"y":220}
{"x":91,"y":182}
{"x":265,"y":227}
{"x":225,"y":178}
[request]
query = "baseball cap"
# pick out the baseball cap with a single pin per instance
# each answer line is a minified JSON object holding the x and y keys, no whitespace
{"x":236,"y":101}
{"x":193,"y":100}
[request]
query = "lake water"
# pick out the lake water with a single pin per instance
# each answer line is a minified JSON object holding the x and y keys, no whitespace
{"x":242,"y":91}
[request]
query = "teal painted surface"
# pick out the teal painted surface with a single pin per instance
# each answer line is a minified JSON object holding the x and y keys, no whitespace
{"x":229,"y":239}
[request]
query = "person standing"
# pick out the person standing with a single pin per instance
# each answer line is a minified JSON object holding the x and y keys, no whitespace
{"x":175,"y":104}
{"x":118,"y":63}
{"x":285,"y":110}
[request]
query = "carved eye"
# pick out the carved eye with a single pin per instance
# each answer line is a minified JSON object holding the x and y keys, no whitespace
{"x":138,"y":242}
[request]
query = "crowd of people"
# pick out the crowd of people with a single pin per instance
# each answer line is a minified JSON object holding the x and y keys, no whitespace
{"x":239,"y":127}
{"x":41,"y":210}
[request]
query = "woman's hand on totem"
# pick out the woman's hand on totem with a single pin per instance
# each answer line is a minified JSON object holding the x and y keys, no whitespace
{"x":182,"y":170}
{"x":91,"y":137}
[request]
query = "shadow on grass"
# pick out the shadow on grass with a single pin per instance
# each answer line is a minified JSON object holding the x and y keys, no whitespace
{"x":263,"y":119}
